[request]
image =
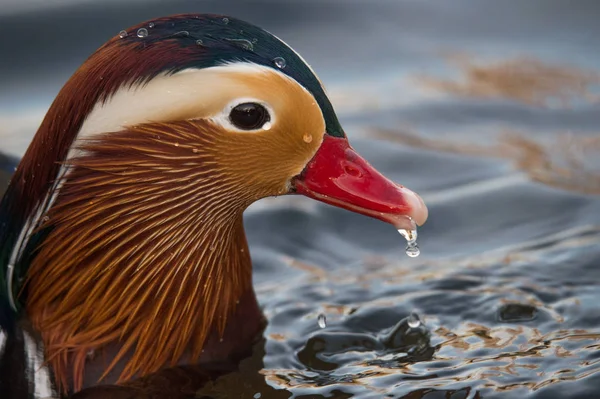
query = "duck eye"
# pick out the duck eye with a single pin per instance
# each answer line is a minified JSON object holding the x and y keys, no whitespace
{"x":249,"y":116}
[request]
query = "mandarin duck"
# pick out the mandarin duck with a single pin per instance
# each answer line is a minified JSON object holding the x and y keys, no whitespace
{"x":122,"y":248}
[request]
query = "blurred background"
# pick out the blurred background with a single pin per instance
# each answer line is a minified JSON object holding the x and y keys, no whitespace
{"x":489,"y":109}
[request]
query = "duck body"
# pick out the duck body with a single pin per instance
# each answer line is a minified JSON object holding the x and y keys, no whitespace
{"x":122,"y":251}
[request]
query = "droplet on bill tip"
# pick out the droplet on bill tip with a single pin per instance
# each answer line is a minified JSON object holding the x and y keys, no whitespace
{"x":413,"y":251}
{"x":412,"y":248}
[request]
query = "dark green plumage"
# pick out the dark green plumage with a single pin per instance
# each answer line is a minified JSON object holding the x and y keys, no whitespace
{"x":225,"y":39}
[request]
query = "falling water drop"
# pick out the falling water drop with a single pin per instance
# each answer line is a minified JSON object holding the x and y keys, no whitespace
{"x":412,"y":249}
{"x":413,"y":320}
{"x":279,"y":62}
{"x":225,"y":21}
{"x":199,"y":42}
{"x":322,"y":320}
{"x":123,"y":34}
{"x":151,"y":25}
{"x":142,"y":32}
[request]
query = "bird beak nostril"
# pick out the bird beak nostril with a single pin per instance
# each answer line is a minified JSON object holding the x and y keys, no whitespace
{"x":352,"y":170}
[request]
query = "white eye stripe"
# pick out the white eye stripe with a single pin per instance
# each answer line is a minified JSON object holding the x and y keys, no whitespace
{"x":166,"y":95}
{"x":224,"y":120}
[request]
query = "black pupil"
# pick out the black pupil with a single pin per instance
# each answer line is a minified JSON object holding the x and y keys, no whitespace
{"x":249,"y":116}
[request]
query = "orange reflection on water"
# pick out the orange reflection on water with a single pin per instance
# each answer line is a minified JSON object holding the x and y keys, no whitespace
{"x":524,"y":79}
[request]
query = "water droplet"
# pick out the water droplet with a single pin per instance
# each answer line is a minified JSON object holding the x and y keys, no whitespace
{"x":257,"y":395}
{"x":412,"y":249}
{"x":151,"y":25}
{"x":279,"y":62}
{"x":307,"y":138}
{"x":221,"y":340}
{"x":142,"y":32}
{"x":413,"y":320}
{"x":176,"y":144}
{"x":321,"y":320}
{"x":242,"y":43}
{"x":123,"y":34}
{"x":199,"y":42}
{"x":225,"y":21}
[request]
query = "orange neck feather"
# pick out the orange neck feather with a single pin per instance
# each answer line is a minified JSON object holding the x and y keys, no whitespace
{"x":146,"y":250}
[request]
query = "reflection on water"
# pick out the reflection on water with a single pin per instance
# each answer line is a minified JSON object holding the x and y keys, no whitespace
{"x":505,"y":321}
{"x":524,"y":79}
{"x":565,"y":161}
{"x":503,"y":145}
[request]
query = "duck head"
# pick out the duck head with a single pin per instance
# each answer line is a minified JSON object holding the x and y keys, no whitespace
{"x":123,"y":226}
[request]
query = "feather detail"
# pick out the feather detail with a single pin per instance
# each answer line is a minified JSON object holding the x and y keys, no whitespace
{"x":145,"y":248}
{"x":123,"y":62}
